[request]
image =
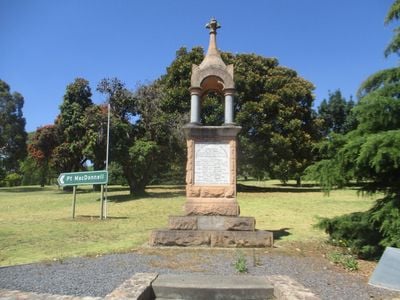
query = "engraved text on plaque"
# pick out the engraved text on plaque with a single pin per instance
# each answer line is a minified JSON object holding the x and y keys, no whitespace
{"x":212,"y":163}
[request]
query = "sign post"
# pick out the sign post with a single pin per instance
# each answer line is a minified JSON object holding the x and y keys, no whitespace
{"x":84,"y":178}
{"x":74,"y":202}
{"x":102,"y":202}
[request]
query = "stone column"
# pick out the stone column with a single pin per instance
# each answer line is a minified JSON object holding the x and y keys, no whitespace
{"x":195,"y":105}
{"x":229,"y":94}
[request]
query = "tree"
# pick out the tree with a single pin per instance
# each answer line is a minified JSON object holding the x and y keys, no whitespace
{"x":41,"y":148}
{"x":95,"y":139}
{"x":336,"y":114}
{"x":156,"y":125}
{"x":369,"y":154}
{"x":131,"y":145}
{"x":273,"y":105}
{"x":68,"y":155}
{"x":12,"y":129}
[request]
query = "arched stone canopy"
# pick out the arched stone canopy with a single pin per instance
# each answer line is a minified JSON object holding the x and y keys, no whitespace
{"x":212,"y":75}
{"x":225,"y":76}
{"x":212,"y":84}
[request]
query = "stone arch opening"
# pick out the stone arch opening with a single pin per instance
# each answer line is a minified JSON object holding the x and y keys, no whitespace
{"x":212,"y":84}
{"x":212,"y":108}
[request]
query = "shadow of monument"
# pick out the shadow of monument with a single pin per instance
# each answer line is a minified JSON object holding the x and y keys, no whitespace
{"x":280,"y":233}
{"x":278,"y":189}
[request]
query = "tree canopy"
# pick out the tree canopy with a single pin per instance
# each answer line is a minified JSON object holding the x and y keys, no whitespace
{"x":68,"y":156}
{"x":369,"y":154}
{"x":12,"y":130}
{"x":273,"y":105}
{"x":336,"y":114}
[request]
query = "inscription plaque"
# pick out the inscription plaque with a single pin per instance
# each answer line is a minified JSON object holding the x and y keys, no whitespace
{"x":211,"y":163}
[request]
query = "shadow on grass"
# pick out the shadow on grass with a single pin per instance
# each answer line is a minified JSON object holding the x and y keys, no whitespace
{"x":112,"y":188}
{"x":26,"y":189}
{"x":147,"y":195}
{"x":91,"y":218}
{"x":280,"y":233}
{"x":293,"y":185}
{"x":278,"y":189}
{"x":167,"y":187}
{"x":88,"y":217}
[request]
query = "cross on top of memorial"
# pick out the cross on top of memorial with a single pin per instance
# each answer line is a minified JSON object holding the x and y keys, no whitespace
{"x":213,"y":25}
{"x":212,"y":75}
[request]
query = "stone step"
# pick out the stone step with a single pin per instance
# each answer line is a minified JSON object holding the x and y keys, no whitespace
{"x":213,"y":238}
{"x":195,"y":287}
{"x":212,"y":223}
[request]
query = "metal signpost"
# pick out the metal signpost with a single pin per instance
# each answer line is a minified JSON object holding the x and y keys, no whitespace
{"x":84,"y":178}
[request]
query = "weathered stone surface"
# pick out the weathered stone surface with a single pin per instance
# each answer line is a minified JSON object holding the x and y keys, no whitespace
{"x":165,"y":237}
{"x":240,"y":223}
{"x":211,"y":223}
{"x":193,"y":191}
{"x":137,"y":287}
{"x":212,"y":207}
{"x":212,"y":192}
{"x":230,"y":192}
{"x":183,"y":222}
{"x":202,"y":132}
{"x":242,"y":239}
{"x":285,"y":288}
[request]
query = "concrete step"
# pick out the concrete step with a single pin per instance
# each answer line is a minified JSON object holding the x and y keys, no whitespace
{"x":196,"y":287}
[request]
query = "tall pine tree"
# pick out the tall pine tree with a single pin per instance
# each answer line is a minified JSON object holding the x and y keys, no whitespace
{"x":369,"y":154}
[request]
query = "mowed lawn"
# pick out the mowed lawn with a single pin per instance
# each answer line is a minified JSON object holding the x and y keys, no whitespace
{"x":36,"y":223}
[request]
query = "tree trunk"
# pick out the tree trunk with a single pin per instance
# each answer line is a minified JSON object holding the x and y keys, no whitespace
{"x":43,"y":175}
{"x":135,"y":187}
{"x":298,"y":181}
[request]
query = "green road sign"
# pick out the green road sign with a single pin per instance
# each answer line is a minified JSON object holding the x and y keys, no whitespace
{"x":81,"y":178}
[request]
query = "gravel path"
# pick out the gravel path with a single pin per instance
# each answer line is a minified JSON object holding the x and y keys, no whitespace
{"x":100,"y":275}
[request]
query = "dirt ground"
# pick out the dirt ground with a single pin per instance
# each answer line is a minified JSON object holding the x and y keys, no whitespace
{"x":319,"y":250}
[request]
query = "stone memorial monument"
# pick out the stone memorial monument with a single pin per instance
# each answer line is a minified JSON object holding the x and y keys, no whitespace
{"x":212,"y":211}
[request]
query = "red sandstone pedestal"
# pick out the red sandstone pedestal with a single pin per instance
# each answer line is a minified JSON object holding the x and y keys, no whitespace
{"x":212,"y":212}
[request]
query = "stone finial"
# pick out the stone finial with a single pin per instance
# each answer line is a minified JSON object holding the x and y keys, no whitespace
{"x":213,"y":25}
{"x":212,"y":73}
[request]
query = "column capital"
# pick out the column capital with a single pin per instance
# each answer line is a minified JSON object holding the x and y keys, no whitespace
{"x":229,"y":91}
{"x":195,"y":91}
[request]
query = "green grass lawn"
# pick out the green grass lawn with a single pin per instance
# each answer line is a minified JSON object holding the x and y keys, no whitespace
{"x":36,"y":224}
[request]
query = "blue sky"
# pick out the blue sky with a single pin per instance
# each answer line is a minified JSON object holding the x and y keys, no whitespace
{"x":45,"y":44}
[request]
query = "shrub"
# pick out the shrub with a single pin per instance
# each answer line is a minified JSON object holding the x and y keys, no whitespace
{"x":367,"y":233}
{"x":13,"y":179}
{"x":346,"y":260}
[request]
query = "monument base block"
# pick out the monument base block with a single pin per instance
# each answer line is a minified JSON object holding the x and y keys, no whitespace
{"x":212,"y":207}
{"x":212,"y":238}
{"x":212,"y":231}
{"x":211,"y":223}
